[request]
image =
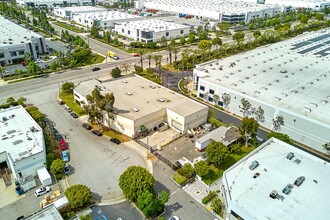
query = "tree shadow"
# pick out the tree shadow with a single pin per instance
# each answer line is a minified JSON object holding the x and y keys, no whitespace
{"x":172,"y":208}
{"x":159,"y":187}
{"x":96,"y":196}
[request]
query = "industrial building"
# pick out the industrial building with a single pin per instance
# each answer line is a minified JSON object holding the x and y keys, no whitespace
{"x":53,"y":3}
{"x":151,"y":30}
{"x":140,"y":102}
{"x":222,"y":11}
{"x":22,"y":149}
{"x":277,"y":181}
{"x":48,"y":213}
{"x":105,"y":20}
{"x":15,"y":41}
{"x":289,"y":79}
{"x":68,"y":12}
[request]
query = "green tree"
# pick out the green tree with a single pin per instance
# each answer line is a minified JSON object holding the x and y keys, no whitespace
{"x":248,"y":129}
{"x":239,"y":36}
{"x":191,"y":38}
{"x":1,"y":71}
{"x":217,"y":42}
{"x":203,"y":36}
{"x":116,"y":72}
{"x":202,"y":168}
{"x":256,"y":34}
{"x":149,"y":203}
{"x":27,"y":58}
{"x":163,"y":41}
{"x":216,"y":205}
{"x":116,"y":41}
{"x":53,"y":66}
{"x":78,"y":195}
{"x":10,"y":100}
{"x":73,"y":63}
{"x":126,"y":67}
{"x":205,"y":45}
{"x":86,"y":217}
{"x":149,"y":58}
{"x":134,"y":181}
{"x":67,"y":87}
{"x":95,"y":30}
{"x":32,"y":69}
{"x":283,"y":137}
{"x":21,"y":100}
{"x":288,"y":18}
{"x":187,"y":170}
{"x":251,"y":26}
{"x":57,"y":167}
{"x":216,"y":152}
{"x":182,"y":40}
{"x":304,"y":19}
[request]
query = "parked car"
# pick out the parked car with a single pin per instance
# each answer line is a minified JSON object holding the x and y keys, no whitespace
{"x":177,"y":165}
{"x":96,"y":68}
{"x":65,"y":156}
{"x":96,"y":132}
{"x":63,"y":144}
{"x":60,"y":101}
{"x":87,"y":126}
{"x":254,"y":165}
{"x":68,"y":109}
{"x":174,"y":218}
{"x":42,"y":190}
{"x":74,"y":115}
{"x":67,"y":168}
{"x":58,"y":136}
{"x":135,"y":54}
{"x":299,"y":181}
{"x":115,"y":140}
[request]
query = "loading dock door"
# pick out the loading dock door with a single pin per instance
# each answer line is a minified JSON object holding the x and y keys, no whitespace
{"x":176,"y":125}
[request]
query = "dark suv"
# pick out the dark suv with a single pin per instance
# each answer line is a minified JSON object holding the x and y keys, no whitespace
{"x":96,"y":132}
{"x":96,"y":68}
{"x":87,"y":126}
{"x":115,"y":140}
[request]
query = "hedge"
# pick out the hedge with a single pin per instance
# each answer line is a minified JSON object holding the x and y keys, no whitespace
{"x":209,"y":197}
{"x":181,"y":180}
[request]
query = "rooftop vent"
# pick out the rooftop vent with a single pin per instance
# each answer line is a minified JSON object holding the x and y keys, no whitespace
{"x":277,"y":98}
{"x":153,"y":87}
{"x":313,"y":105}
{"x":129,"y":93}
{"x":17,"y":142}
{"x":135,"y":109}
{"x":294,"y":91}
{"x":284,"y":94}
{"x":161,"y":100}
{"x":124,"y":81}
{"x":283,"y":71}
{"x":307,"y":109}
{"x":324,"y":101}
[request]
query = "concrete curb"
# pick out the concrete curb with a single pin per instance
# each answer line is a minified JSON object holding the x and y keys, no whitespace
{"x":111,"y":201}
{"x":143,"y":153}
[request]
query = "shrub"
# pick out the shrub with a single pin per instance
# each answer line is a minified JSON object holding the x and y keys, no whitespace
{"x":216,"y":205}
{"x":209,"y":197}
{"x":181,"y":180}
{"x":138,"y":69}
{"x":187,"y":170}
{"x":49,"y":159}
{"x":216,"y":122}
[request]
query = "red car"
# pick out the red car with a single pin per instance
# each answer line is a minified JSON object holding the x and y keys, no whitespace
{"x":135,"y":54}
{"x":63,"y":144}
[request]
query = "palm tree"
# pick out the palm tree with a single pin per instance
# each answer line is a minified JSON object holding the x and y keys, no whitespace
{"x":278,"y":122}
{"x":126,"y":67}
{"x":226,"y":98}
{"x":170,"y":49}
{"x":245,"y":107}
{"x":149,"y":58}
{"x":141,"y":52}
{"x":216,"y":99}
{"x":175,"y":51}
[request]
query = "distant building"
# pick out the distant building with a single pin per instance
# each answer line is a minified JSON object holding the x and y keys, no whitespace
{"x":289,"y":79}
{"x":222,"y":11}
{"x":105,"y":19}
{"x":53,"y":3}
{"x":225,"y":135}
{"x":151,"y":30}
{"x":140,"y":102}
{"x":69,"y":12}
{"x":277,"y":181}
{"x":22,"y":148}
{"x":48,"y":213}
{"x":15,"y":41}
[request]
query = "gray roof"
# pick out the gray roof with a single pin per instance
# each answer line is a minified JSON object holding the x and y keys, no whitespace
{"x":222,"y":134}
{"x":136,"y":92}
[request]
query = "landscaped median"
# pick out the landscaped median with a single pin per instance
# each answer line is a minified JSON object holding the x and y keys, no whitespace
{"x":69,"y":101}
{"x":69,"y":27}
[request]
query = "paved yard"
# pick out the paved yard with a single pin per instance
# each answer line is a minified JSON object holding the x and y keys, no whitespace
{"x":158,"y":139}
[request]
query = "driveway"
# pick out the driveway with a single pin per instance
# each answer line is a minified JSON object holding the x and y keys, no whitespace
{"x":95,"y":161}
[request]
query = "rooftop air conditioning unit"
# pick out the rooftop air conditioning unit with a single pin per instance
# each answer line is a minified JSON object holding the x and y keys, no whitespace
{"x":135,"y":109}
{"x":129,"y":93}
{"x":161,"y":100}
{"x":124,"y":81}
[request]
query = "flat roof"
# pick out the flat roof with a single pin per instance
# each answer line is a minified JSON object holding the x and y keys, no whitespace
{"x":48,"y":213}
{"x":154,"y":25}
{"x":225,"y":135}
{"x":136,"y":92}
{"x":106,"y":15}
{"x":20,"y":134}
{"x":311,"y":200}
{"x":77,"y":9}
{"x":292,"y":74}
{"x":225,"y":7}
{"x":11,"y":33}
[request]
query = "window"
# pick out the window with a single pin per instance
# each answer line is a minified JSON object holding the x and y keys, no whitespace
{"x":220,"y":103}
{"x":211,"y":91}
{"x":21,"y":52}
{"x":202,"y":88}
{"x":201,"y":95}
{"x":181,"y":32}
{"x":167,"y":34}
{"x":138,"y":33}
{"x":105,"y":23}
{"x":122,"y":30}
{"x":129,"y":32}
{"x":210,"y":99}
{"x":13,"y":53}
{"x":2,"y":55}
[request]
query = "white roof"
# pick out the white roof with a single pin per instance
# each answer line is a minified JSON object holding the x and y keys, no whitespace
{"x":20,"y":135}
{"x":154,"y":25}
{"x":77,"y":9}
{"x":48,"y":213}
{"x":225,"y":7}
{"x":311,"y":200}
{"x":292,"y":74}
{"x":11,"y":33}
{"x":43,"y":174}
{"x":106,"y":16}
{"x":134,"y":92}
{"x":222,"y":134}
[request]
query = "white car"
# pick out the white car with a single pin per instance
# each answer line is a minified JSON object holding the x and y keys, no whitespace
{"x":42,"y":190}
{"x":174,"y":218}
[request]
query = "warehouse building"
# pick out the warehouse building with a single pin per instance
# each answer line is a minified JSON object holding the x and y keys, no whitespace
{"x":151,"y":30}
{"x":53,"y":3}
{"x":22,"y":149}
{"x":289,"y":79}
{"x":68,"y":12}
{"x":105,"y":20}
{"x":15,"y":41}
{"x":141,"y":102}
{"x":277,"y":181}
{"x":222,"y":11}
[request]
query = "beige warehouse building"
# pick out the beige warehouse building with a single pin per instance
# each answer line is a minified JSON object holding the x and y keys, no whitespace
{"x":141,"y":102}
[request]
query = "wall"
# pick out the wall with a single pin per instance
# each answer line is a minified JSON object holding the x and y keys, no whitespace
{"x":196,"y":119}
{"x":173,"y":116}
{"x":298,"y":126}
{"x":120,"y":124}
{"x":151,"y":121}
